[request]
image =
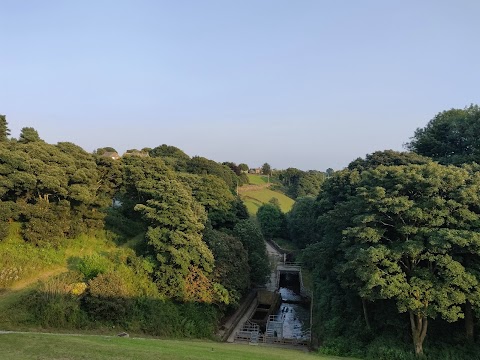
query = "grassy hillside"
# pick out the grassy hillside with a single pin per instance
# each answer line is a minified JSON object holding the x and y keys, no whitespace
{"x":48,"y":346}
{"x":257,"y":179}
{"x":254,"y":198}
{"x":22,"y":263}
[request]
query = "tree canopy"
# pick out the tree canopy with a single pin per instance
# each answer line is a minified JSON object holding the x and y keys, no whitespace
{"x":387,"y":158}
{"x":272,"y":221}
{"x":451,"y":137}
{"x":251,"y":237}
{"x":403,"y":233}
{"x":28,"y":134}
{"x":4,"y":130}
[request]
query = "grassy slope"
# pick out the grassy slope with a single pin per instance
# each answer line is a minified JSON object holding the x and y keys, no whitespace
{"x":253,"y":199}
{"x":257,"y":179}
{"x":48,"y":346}
{"x":38,"y":264}
{"x":256,"y":196}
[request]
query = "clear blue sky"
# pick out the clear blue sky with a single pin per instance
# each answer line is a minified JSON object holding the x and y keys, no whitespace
{"x":306,"y":84}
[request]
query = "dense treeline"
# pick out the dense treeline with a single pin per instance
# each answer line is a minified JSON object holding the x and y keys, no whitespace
{"x":187,"y":248}
{"x":393,"y":242}
{"x":298,"y":183}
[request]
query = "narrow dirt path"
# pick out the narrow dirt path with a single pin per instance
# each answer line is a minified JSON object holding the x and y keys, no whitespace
{"x":41,"y":276}
{"x":245,"y":188}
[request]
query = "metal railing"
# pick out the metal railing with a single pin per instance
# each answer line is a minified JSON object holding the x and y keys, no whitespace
{"x":249,"y":332}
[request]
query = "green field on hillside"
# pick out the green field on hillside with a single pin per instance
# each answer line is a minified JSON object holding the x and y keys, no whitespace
{"x":253,"y":199}
{"x":49,"y":346}
{"x":257,"y":179}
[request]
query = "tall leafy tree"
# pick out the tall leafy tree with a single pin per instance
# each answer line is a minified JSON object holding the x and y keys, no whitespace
{"x":310,"y":183}
{"x":451,"y":137}
{"x":202,"y":166}
{"x":4,"y":130}
{"x":101,"y":151}
{"x":387,"y":158}
{"x":223,"y":208}
{"x":243,"y":167}
{"x":172,"y":156}
{"x":176,"y":222}
{"x":266,"y":169}
{"x":28,"y":134}
{"x":251,"y":237}
{"x":301,"y":222}
{"x":231,"y":262}
{"x":168,"y":151}
{"x":407,"y":237}
{"x":272,"y":221}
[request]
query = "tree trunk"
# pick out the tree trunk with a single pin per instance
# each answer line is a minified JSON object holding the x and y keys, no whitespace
{"x":419,"y":324}
{"x":469,"y":321}
{"x":365,"y":313}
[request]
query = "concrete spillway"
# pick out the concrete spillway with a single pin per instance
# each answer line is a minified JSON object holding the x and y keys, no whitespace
{"x":280,"y":313}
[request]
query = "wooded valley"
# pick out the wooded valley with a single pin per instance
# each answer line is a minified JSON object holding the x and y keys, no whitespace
{"x":160,"y":243}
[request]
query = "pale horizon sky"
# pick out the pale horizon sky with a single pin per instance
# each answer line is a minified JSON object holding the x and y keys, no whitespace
{"x":305,"y":84}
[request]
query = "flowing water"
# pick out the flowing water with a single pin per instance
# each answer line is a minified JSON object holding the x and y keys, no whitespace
{"x":293,"y":309}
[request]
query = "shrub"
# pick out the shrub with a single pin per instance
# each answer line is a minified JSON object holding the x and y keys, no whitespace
{"x":54,"y":304}
{"x":93,"y":265}
{"x":342,"y":346}
{"x":108,"y":298}
{"x":389,"y":349}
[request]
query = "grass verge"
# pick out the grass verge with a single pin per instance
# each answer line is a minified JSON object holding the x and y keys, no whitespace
{"x":71,"y":347}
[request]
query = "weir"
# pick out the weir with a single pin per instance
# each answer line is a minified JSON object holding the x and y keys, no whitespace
{"x":280,"y":313}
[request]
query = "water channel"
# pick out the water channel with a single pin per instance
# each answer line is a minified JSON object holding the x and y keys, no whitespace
{"x":280,"y":312}
{"x":294,"y":309}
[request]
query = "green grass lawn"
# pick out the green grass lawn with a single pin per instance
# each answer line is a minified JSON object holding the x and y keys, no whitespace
{"x":253,"y":199}
{"x":257,"y":179}
{"x":70,"y":347}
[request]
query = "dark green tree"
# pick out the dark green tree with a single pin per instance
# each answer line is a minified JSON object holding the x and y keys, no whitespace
{"x":4,"y":130}
{"x":272,"y":221}
{"x":251,"y":237}
{"x":301,"y":222}
{"x":176,"y":223}
{"x":387,"y":158}
{"x":211,"y":192}
{"x":406,"y":232}
{"x":202,"y":166}
{"x":168,"y":151}
{"x":451,"y":137}
{"x":28,"y":134}
{"x":243,"y":167}
{"x":266,"y":169}
{"x":231,"y":263}
{"x":172,"y":156}
{"x":101,"y":151}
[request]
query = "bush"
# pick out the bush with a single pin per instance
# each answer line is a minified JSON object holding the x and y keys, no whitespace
{"x":166,"y":318}
{"x":459,"y":352}
{"x":389,"y":349}
{"x":158,"y":317}
{"x":55,"y":305}
{"x":93,"y":265}
{"x":108,"y":298}
{"x":342,"y":346}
